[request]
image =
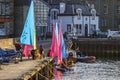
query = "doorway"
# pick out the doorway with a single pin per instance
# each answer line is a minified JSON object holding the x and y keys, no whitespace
{"x":86,"y":30}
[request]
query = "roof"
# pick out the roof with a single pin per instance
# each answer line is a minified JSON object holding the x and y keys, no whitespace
{"x":71,"y":9}
{"x":21,"y":2}
{"x":66,"y":1}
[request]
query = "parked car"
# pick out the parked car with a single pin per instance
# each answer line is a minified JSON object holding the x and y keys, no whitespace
{"x":72,"y":36}
{"x":99,"y":34}
{"x":115,"y":35}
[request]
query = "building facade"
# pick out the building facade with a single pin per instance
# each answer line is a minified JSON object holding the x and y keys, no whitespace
{"x":13,"y":14}
{"x":109,"y":13}
{"x":80,"y":19}
{"x":6,"y":18}
{"x":41,"y":9}
{"x":20,"y":12}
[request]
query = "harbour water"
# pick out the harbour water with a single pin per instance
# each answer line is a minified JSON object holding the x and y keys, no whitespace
{"x":99,"y":70}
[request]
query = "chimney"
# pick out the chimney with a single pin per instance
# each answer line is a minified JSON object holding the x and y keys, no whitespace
{"x":62,"y":7}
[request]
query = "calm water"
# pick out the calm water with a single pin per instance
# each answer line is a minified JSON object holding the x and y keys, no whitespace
{"x":99,"y":70}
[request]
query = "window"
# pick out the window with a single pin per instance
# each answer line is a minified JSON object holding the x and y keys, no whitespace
{"x":54,"y":14}
{"x":103,"y":22}
{"x":79,"y":28}
{"x":79,"y":12}
{"x":69,"y":28}
{"x":105,"y":9}
{"x":93,"y":28}
{"x":1,"y":25}
{"x":93,"y":12}
{"x":118,"y":9}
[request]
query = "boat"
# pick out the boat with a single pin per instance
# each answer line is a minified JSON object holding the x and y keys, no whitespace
{"x":86,"y":59}
{"x":79,"y":57}
{"x":63,"y":68}
{"x":7,"y":56}
{"x":4,"y":60}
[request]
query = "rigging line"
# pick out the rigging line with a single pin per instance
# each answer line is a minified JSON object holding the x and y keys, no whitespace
{"x":43,"y":76}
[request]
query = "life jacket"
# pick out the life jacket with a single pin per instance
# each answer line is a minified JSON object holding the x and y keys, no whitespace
{"x":17,"y":46}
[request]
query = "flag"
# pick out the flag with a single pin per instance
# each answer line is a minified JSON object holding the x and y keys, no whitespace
{"x":28,"y":34}
{"x":57,"y":74}
{"x":60,"y":45}
{"x":35,"y":46}
{"x":27,"y":49}
{"x":53,"y":47}
{"x":57,"y":31}
{"x":64,"y":55}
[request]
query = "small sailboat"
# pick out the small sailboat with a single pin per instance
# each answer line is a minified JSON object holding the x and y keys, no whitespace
{"x":58,"y":50}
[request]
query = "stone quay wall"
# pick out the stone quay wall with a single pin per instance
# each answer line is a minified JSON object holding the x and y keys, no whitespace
{"x":7,"y":43}
{"x":101,"y":48}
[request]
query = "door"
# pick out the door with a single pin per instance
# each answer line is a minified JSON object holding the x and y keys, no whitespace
{"x":86,"y":30}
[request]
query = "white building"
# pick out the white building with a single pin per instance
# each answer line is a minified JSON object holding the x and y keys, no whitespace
{"x":81,"y":19}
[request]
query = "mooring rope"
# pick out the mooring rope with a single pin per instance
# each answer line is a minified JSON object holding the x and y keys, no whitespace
{"x":43,"y":76}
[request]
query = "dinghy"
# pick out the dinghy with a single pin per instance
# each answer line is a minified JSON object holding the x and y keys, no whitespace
{"x":79,"y":57}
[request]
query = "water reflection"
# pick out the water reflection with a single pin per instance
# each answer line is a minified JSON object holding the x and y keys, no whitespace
{"x":100,"y":70}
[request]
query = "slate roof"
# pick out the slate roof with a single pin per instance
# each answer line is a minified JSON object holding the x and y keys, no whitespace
{"x":86,"y":10}
{"x":68,"y":9}
{"x":21,"y":2}
{"x":71,"y":9}
{"x":66,"y":1}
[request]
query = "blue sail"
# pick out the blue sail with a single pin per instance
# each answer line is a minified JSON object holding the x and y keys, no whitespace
{"x":27,"y":36}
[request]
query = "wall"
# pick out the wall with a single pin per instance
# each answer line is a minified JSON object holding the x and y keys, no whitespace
{"x":65,"y":20}
{"x":101,"y":48}
{"x":7,"y":43}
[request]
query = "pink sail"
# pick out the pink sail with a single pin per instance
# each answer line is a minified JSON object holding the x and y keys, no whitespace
{"x":60,"y":45}
{"x":53,"y":47}
{"x":27,"y":49}
{"x":57,"y":74}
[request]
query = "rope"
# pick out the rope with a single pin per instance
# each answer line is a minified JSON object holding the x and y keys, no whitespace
{"x":43,"y":76}
{"x":52,"y":73}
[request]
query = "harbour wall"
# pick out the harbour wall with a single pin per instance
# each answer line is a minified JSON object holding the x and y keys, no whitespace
{"x":7,"y":43}
{"x":101,"y":48}
{"x":44,"y":71}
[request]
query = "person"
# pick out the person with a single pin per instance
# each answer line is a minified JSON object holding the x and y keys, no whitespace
{"x":18,"y":48}
{"x":66,"y":35}
{"x":41,"y":51}
{"x":48,"y":54}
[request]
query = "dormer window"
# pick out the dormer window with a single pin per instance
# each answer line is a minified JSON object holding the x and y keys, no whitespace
{"x":93,"y":12}
{"x":79,"y":12}
{"x":105,"y":9}
{"x":54,"y":13}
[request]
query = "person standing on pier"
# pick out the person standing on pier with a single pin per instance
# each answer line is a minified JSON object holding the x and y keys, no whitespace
{"x":18,"y":48}
{"x":41,"y":51}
